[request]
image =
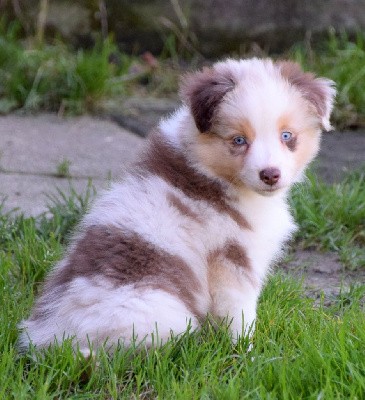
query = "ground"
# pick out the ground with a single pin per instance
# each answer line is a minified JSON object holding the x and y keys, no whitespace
{"x":322,"y":274}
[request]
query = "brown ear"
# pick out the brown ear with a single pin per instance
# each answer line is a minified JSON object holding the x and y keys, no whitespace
{"x":318,"y":91}
{"x":203,"y":91}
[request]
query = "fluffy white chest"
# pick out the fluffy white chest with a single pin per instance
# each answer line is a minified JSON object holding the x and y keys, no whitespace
{"x":272,"y":224}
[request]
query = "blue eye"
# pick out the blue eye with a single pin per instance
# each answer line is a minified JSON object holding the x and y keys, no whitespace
{"x":286,"y":136}
{"x":239,"y":140}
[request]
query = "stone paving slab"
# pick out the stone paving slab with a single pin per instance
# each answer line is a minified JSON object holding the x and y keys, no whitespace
{"x":341,"y":153}
{"x":31,"y":148}
{"x":37,"y":144}
{"x":30,"y":194}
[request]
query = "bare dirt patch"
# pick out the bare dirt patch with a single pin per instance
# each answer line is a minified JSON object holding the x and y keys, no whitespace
{"x":323,"y":275}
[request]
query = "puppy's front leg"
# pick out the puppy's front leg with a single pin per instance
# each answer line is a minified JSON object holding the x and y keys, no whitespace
{"x":239,"y":307}
{"x":234,"y":296}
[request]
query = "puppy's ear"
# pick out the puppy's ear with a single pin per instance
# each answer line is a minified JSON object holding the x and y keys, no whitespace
{"x":318,"y":91}
{"x":203,"y":91}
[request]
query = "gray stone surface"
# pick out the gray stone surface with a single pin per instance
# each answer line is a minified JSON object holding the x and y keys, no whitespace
{"x":341,"y":153}
{"x":139,"y":114}
{"x":29,"y":193}
{"x":32,"y":147}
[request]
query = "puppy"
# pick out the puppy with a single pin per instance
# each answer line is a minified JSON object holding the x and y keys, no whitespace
{"x":194,"y":227}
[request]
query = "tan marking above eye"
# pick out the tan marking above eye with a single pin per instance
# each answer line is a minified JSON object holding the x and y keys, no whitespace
{"x":286,"y":124}
{"x":243,"y":128}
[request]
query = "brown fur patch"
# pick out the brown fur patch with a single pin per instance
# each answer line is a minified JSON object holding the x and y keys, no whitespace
{"x":292,"y":143}
{"x":203,"y":91}
{"x":163,"y":160}
{"x":182,"y":208}
{"x":129,"y":259}
{"x":310,"y":87}
{"x":235,"y":253}
{"x":220,"y":275}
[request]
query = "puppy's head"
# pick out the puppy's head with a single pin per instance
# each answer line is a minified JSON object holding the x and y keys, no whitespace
{"x":259,"y":122}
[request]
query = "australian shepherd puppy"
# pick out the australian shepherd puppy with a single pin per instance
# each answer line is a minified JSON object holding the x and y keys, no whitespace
{"x":193,"y":228}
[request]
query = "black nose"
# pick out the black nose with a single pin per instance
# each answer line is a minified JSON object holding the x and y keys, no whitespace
{"x":270,"y":176}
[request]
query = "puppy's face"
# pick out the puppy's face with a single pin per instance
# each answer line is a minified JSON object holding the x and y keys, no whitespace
{"x":259,"y":122}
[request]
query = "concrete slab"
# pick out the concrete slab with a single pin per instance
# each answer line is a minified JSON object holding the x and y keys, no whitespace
{"x":29,"y":193}
{"x":341,"y":153}
{"x":32,"y":147}
{"x":37,"y":144}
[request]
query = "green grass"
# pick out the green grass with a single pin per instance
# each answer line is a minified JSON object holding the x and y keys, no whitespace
{"x":54,"y":78}
{"x":300,"y":350}
{"x":332,"y":217}
{"x":63,"y":168}
{"x":343,"y":61}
